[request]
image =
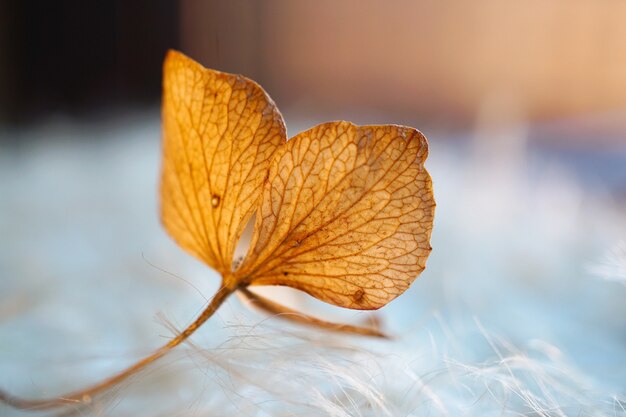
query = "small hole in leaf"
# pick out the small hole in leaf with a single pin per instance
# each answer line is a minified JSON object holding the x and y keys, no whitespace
{"x":241,"y":250}
{"x":215,"y":200}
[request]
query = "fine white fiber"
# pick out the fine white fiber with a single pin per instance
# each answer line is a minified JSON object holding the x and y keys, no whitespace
{"x":508,"y":319}
{"x":612,"y":267}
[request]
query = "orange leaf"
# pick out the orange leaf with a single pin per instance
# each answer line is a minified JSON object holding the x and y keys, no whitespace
{"x":346,"y":215}
{"x":219,"y":133}
{"x":344,"y":212}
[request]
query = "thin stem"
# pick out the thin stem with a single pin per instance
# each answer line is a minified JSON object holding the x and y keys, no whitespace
{"x":84,"y":396}
{"x":286,"y":313}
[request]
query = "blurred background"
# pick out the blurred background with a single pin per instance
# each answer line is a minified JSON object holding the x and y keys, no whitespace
{"x":524,"y":105}
{"x":556,"y":68}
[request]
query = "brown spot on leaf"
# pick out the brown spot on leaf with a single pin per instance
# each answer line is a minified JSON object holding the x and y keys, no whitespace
{"x":358,"y":295}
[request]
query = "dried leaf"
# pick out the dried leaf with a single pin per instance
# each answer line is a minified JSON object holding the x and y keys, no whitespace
{"x":346,"y":215}
{"x":219,"y":133}
{"x":346,"y":211}
{"x":343,"y":212}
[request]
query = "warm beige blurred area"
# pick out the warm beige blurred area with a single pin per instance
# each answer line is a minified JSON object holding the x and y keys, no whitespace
{"x":442,"y":60}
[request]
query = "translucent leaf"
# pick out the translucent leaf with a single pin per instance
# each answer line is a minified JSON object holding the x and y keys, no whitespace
{"x":346,"y":215}
{"x":219,"y":133}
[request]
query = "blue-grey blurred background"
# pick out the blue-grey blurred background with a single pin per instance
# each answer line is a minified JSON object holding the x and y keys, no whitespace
{"x":521,"y":309}
{"x":556,"y":68}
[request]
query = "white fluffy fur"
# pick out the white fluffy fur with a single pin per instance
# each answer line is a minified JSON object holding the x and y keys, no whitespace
{"x":508,"y":319}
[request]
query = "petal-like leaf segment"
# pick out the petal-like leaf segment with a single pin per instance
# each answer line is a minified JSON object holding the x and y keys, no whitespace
{"x":346,"y":215}
{"x":219,"y":134}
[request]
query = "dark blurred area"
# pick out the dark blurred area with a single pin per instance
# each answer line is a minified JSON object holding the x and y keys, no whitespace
{"x":557,"y":67}
{"x":79,"y":57}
